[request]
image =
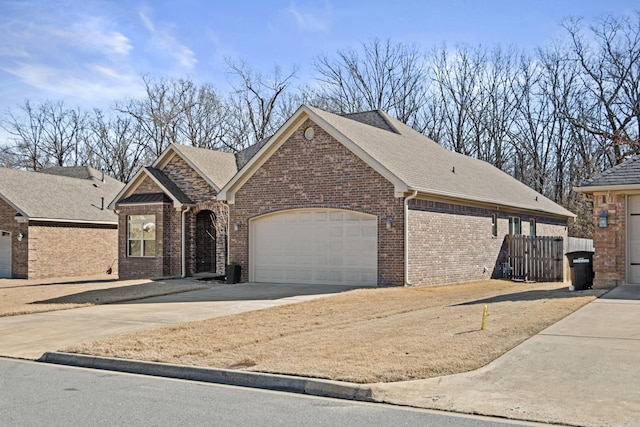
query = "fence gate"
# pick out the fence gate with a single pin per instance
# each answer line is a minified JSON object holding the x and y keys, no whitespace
{"x":536,"y":258}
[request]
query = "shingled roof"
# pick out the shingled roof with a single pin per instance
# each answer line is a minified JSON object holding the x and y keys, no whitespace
{"x":626,"y":173}
{"x":216,"y":166}
{"x":411,"y":161}
{"x":56,"y":197}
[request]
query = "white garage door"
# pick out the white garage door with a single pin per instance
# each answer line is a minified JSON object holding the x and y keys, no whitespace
{"x":330,"y":247}
{"x":5,"y":254}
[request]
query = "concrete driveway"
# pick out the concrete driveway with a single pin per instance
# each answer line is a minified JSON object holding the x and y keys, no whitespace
{"x":29,"y":336}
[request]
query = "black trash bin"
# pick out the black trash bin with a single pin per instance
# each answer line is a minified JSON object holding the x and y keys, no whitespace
{"x":233,"y":273}
{"x":581,"y":263}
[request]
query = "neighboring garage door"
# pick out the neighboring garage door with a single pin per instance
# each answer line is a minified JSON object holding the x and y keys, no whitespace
{"x":634,"y":239}
{"x":332,"y":247}
{"x":5,"y":254}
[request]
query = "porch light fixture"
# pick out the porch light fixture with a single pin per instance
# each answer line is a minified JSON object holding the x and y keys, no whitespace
{"x":389,"y":223}
{"x":20,"y":236}
{"x":602,"y":220}
{"x":237,"y":225}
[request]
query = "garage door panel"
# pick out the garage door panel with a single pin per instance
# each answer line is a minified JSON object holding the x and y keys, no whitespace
{"x":324,"y":247}
{"x":369,"y":231}
{"x":5,"y":254}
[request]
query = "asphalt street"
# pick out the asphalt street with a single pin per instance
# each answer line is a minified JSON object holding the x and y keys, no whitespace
{"x":36,"y":394}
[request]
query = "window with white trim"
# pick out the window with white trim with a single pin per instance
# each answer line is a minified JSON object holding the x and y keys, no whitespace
{"x":532,"y":227}
{"x":514,"y":225}
{"x":141,"y":236}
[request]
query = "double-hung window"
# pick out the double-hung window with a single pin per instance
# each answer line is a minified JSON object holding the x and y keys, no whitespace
{"x":514,"y":225}
{"x":532,"y":227}
{"x":141,"y":236}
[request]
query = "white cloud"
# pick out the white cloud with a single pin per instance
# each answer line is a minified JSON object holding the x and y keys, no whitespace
{"x":94,"y":83}
{"x":310,"y":20}
{"x":163,"y":40}
{"x":65,"y":53}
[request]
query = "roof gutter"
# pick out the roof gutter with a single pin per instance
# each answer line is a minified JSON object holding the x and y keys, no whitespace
{"x":184,"y":244}
{"x":406,"y":236}
{"x":72,"y":221}
{"x":608,"y":188}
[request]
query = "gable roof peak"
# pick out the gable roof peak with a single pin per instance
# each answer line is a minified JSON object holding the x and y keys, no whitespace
{"x":215,"y":167}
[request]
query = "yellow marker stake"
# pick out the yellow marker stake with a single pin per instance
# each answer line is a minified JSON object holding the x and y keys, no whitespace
{"x":484,"y":317}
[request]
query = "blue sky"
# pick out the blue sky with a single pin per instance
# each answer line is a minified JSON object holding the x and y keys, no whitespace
{"x":90,"y":53}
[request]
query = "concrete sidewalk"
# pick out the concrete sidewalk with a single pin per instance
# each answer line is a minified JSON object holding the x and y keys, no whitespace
{"x":29,"y":336}
{"x":584,"y":370}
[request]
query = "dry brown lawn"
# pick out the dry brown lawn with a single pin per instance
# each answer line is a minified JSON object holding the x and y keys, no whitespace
{"x":364,"y":335}
{"x":24,"y":296}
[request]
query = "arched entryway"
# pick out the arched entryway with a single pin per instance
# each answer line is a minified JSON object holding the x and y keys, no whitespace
{"x":205,"y":242}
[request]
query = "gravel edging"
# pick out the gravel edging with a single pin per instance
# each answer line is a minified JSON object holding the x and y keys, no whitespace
{"x":287,"y":383}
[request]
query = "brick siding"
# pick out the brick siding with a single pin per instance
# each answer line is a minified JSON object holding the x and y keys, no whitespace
{"x":71,"y":250}
{"x":57,"y":250}
{"x":321,"y":173}
{"x":451,"y":243}
{"x":168,"y":259}
{"x":448,"y":243}
{"x":19,"y":250}
{"x":610,"y":242}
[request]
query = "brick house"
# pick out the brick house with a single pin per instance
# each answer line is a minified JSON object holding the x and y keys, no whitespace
{"x":616,"y":216}
{"x":170,"y":223}
{"x":55,"y":223}
{"x":363,"y":199}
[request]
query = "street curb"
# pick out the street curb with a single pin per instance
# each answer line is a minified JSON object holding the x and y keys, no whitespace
{"x":288,"y":383}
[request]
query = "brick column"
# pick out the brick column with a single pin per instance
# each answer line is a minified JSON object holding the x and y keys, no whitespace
{"x":609,"y":242}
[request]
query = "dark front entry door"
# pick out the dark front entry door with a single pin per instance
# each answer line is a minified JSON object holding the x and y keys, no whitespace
{"x":205,"y":242}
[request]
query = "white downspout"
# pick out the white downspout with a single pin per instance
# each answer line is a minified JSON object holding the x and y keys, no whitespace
{"x":406,"y":236}
{"x":184,"y":243}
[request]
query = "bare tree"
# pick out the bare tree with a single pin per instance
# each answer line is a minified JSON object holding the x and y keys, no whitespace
{"x":116,"y":144}
{"x":160,"y":111}
{"x":202,"y":119}
{"x":254,"y":103}
{"x":385,"y":75}
{"x":497,"y":106}
{"x":609,"y":61}
{"x":456,"y":81}
{"x":46,"y":134}
{"x":26,"y":135}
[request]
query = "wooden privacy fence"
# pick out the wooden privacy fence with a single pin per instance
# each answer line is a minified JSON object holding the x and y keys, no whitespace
{"x":536,"y":258}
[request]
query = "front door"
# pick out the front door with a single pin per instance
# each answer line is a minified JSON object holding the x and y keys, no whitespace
{"x":633,"y":242}
{"x":205,"y":242}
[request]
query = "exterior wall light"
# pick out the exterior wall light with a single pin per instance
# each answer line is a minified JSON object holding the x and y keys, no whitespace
{"x":237,"y":225}
{"x":602,"y":220}
{"x":389,"y":223}
{"x":20,"y":236}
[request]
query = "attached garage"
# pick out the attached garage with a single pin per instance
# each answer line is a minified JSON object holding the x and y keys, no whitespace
{"x":5,"y":254}
{"x":319,"y":246}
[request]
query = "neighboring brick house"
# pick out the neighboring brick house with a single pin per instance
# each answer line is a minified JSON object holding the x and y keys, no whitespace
{"x":363,"y":199}
{"x":616,"y":216}
{"x":169,"y":220}
{"x":55,"y":223}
